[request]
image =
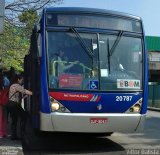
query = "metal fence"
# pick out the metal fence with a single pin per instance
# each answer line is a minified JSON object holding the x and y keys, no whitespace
{"x":154,"y":94}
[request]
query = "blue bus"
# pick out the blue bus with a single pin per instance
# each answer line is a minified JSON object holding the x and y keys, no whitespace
{"x":87,"y":69}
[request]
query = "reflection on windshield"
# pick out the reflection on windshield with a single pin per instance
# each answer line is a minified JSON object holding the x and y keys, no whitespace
{"x":79,"y":61}
{"x":122,"y":70}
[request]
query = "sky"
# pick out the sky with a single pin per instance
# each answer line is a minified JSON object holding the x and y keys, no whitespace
{"x":148,"y":10}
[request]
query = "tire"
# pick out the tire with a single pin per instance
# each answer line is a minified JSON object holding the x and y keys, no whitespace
{"x":107,"y":134}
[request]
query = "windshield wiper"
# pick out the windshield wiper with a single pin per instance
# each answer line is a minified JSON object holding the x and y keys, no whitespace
{"x":110,"y":51}
{"x":116,"y":42}
{"x":82,"y":43}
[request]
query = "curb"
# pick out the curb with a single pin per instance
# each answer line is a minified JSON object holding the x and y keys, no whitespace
{"x":153,"y":109}
{"x":10,"y":150}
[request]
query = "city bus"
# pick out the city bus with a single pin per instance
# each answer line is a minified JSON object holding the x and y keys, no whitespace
{"x":87,"y":69}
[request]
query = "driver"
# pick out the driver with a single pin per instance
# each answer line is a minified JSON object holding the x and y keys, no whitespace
{"x":61,"y":63}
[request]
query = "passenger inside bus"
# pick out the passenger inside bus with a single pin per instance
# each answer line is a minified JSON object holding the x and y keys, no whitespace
{"x":59,"y":65}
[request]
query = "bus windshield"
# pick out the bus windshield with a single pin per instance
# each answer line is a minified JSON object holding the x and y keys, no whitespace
{"x":109,"y":64}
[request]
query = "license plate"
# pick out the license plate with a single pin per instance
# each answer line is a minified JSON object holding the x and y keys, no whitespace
{"x":98,"y":120}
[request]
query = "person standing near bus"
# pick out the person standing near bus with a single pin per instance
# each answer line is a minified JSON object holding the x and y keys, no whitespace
{"x":14,"y":105}
{"x":3,"y":123}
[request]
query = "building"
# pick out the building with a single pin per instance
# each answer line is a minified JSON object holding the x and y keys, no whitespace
{"x":153,"y":45}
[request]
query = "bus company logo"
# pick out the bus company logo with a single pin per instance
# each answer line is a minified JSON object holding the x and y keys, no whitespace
{"x":122,"y":83}
{"x":75,"y":97}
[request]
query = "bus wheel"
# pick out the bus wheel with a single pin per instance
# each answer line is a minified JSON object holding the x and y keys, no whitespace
{"x":38,"y":133}
{"x":107,"y":134}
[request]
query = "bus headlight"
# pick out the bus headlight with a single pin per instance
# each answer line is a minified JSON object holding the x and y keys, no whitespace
{"x":55,"y":106}
{"x":136,"y":108}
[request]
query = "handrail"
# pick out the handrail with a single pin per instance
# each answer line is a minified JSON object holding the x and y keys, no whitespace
{"x":63,"y":62}
{"x":81,"y":64}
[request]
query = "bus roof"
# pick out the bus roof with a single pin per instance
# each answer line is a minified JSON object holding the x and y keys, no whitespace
{"x":90,"y":10}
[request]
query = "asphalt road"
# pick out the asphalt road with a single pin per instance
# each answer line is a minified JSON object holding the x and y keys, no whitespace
{"x":147,"y":142}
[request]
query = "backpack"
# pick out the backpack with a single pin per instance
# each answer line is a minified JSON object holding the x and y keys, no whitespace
{"x":4,"y":96}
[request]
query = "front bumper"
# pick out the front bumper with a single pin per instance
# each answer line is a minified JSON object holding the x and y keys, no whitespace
{"x":78,"y":122}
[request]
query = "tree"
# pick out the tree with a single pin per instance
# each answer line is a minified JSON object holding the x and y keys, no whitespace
{"x":24,"y":13}
{"x":21,"y":5}
{"x":13,"y":47}
{"x":28,"y":18}
{"x":20,"y":16}
{"x":13,"y":8}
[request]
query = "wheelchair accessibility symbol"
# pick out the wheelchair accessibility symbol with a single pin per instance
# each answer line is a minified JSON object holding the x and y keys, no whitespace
{"x":93,"y":84}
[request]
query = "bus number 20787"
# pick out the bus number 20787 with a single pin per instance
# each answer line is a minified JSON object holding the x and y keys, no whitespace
{"x":123,"y":98}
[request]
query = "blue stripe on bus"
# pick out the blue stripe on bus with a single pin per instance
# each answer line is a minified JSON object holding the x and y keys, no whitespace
{"x":44,"y":99}
{"x":145,"y":87}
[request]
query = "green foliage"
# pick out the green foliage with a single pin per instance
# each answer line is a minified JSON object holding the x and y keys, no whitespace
{"x":20,"y":17}
{"x":29,"y":18}
{"x":14,"y":43}
{"x":13,"y":47}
